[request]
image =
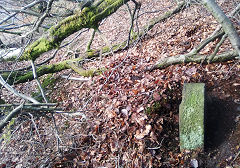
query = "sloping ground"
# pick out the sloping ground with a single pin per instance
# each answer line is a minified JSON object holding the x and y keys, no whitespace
{"x":129,"y":117}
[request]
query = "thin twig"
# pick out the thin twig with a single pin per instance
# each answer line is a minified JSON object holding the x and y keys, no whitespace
{"x":42,"y":18}
{"x":38,"y":82}
{"x":23,"y":8}
{"x":36,"y":128}
{"x":50,"y":58}
{"x":160,"y":145}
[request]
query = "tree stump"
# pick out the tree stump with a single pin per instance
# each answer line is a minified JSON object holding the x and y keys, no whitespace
{"x":191,"y":117}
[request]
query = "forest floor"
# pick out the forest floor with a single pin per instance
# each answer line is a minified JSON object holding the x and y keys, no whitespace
{"x":127,"y":116}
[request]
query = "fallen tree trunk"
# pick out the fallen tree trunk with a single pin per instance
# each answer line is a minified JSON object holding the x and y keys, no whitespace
{"x":19,"y":77}
{"x":187,"y":58}
{"x":87,"y":18}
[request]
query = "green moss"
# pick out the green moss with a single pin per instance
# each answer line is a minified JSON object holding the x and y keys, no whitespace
{"x":119,"y":46}
{"x":91,"y":72}
{"x":6,"y":136}
{"x":37,"y":48}
{"x":72,"y":24}
{"x":49,"y":81}
{"x":12,"y":78}
{"x":92,"y":53}
{"x":153,"y":109}
{"x":112,"y":6}
{"x":106,"y":49}
{"x":191,"y":116}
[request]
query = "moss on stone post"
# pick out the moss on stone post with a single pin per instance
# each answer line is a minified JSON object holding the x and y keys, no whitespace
{"x":191,"y":117}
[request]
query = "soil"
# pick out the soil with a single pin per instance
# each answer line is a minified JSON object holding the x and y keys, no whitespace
{"x":222,"y":131}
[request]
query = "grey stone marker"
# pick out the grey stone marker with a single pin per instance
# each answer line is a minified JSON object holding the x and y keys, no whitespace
{"x":191,"y":117}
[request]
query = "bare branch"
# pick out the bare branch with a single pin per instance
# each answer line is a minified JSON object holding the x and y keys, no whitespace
{"x":29,"y":104}
{"x":8,"y":87}
{"x":13,"y":113}
{"x":217,"y":48}
{"x":42,"y":18}
{"x":225,"y":22}
{"x":24,"y":8}
{"x":187,"y":58}
{"x":38,"y":82}
{"x":82,"y":79}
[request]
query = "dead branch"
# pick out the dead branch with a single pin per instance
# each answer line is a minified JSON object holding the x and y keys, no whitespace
{"x":226,"y":23}
{"x":74,"y":78}
{"x":187,"y":58}
{"x":38,"y":82}
{"x":13,"y":113}
{"x":205,"y":42}
{"x":23,"y":8}
{"x":11,"y":89}
{"x":42,"y":18}
{"x":30,"y":104}
{"x":217,"y":48}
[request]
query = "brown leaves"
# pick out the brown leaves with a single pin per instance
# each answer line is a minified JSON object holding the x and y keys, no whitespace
{"x":140,"y":134}
{"x":156,"y":96}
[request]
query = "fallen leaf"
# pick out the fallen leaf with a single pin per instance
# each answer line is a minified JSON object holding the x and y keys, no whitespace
{"x":156,"y":96}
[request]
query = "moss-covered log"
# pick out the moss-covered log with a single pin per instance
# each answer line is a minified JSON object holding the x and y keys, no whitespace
{"x":21,"y":77}
{"x":87,"y":18}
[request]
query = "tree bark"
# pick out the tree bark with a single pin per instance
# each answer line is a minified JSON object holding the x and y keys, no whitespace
{"x":87,"y":18}
{"x":179,"y":59}
{"x":226,"y":23}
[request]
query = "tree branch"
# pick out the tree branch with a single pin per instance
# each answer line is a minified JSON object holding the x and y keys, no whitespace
{"x":225,"y":22}
{"x":163,"y":63}
{"x":8,"y":87}
{"x":88,"y":18}
{"x":8,"y":118}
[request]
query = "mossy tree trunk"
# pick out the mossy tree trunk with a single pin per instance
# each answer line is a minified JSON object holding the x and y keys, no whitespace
{"x":87,"y":18}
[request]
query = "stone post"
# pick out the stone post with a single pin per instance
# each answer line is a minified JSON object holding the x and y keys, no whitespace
{"x":191,"y":117}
